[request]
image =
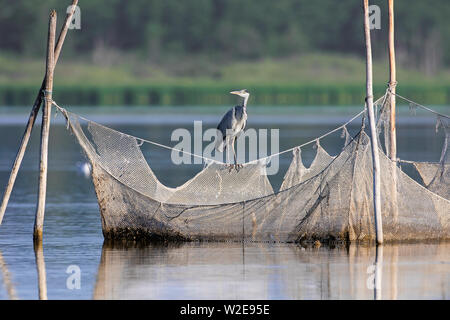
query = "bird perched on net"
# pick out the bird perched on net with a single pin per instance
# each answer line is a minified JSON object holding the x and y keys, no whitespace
{"x":232,"y":125}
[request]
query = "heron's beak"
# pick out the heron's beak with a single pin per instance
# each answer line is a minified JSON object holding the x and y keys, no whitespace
{"x":235,"y":92}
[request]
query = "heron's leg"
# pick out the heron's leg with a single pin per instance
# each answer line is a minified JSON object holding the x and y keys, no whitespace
{"x":234,"y":151}
{"x":228,"y":153}
{"x":232,"y":166}
{"x":236,"y":165}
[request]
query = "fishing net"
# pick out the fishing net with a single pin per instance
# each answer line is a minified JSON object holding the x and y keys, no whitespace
{"x":331,"y":199}
{"x":435,"y":176}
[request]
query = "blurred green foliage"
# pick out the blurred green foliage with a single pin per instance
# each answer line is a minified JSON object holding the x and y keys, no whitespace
{"x":230,"y":29}
{"x":194,"y":51}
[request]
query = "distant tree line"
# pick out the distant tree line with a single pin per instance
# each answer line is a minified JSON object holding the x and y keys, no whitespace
{"x":231,"y":29}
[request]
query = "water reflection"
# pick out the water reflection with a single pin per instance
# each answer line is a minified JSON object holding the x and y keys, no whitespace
{"x":40,"y":267}
{"x":378,"y":272}
{"x":272,"y":271}
{"x":257,"y":271}
{"x":9,"y":286}
{"x":250,"y":271}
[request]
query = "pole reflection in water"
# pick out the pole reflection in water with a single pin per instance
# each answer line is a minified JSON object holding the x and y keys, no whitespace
{"x":40,"y":265}
{"x":394,"y":268}
{"x":9,"y":286}
{"x":240,"y":271}
{"x":378,"y":272}
{"x":270,"y":271}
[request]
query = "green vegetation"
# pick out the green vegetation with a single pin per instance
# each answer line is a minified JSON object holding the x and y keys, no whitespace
{"x":303,"y":80}
{"x":167,"y":52}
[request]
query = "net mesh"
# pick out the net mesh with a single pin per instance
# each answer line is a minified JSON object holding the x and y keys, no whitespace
{"x":332,"y":199}
{"x":120,"y":155}
{"x":436,"y":176}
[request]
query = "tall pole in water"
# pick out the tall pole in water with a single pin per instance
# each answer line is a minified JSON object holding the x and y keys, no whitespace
{"x":373,"y":132}
{"x":392,"y":84}
{"x":392,"y":152}
{"x":45,"y":128}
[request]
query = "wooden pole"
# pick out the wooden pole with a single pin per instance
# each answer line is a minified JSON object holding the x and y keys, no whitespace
{"x":392,"y":152}
{"x":392,"y":84}
{"x":32,"y":117}
{"x":373,"y":132}
{"x":45,"y":128}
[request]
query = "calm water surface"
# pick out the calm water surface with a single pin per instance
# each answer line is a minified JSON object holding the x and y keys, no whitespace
{"x":72,"y":234}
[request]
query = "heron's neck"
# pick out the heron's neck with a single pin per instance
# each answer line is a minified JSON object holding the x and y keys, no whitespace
{"x":244,"y":103}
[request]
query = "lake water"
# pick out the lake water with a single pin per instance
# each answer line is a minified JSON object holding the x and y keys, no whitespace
{"x":73,"y":237}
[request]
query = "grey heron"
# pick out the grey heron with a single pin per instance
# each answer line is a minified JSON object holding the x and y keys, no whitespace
{"x":232,"y":125}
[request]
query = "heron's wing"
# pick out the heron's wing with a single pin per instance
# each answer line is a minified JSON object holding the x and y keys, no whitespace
{"x":225,"y":124}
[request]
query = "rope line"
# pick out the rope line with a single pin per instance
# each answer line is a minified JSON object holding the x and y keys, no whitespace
{"x":312,"y":141}
{"x":419,"y":105}
{"x":408,"y":161}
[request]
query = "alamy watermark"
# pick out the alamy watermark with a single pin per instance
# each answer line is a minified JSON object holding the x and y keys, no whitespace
{"x":75,"y":23}
{"x":249,"y":145}
{"x":374,"y":17}
{"x":374,"y":279}
{"x":74,"y":279}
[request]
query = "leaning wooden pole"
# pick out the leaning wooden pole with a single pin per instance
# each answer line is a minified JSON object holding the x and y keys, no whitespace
{"x":373,"y":132}
{"x":45,"y":128}
{"x":32,"y":118}
{"x":392,"y":85}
